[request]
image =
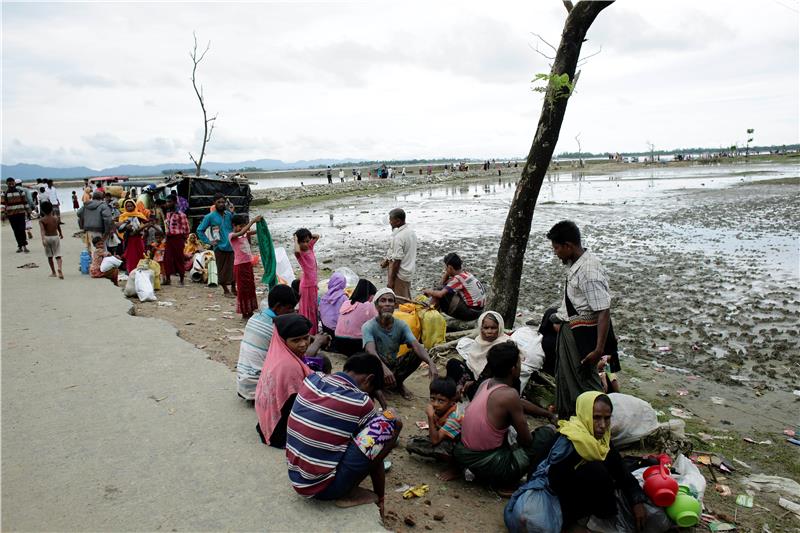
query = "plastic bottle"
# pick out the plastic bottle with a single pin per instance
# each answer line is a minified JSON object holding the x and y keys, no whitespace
{"x":86,"y":260}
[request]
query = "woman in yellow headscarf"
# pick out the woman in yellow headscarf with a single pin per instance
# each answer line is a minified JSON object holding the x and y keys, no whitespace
{"x":132,"y":222}
{"x":586,"y":479}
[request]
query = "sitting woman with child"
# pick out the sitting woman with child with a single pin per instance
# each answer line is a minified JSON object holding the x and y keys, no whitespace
{"x":583,"y":471}
{"x":284,"y":370}
{"x":132,"y":224}
{"x":353,"y":314}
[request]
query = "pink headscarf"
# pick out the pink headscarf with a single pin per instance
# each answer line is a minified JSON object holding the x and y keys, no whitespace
{"x":282,"y":375}
{"x":330,"y":303}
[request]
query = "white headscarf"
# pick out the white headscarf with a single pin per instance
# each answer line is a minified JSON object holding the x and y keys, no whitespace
{"x":476,"y":358}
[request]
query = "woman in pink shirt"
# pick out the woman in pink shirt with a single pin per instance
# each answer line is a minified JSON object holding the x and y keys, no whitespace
{"x":246,"y":300}
{"x":353,"y":314}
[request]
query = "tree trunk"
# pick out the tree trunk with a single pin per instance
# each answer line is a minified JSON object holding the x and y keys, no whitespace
{"x":514,"y":242}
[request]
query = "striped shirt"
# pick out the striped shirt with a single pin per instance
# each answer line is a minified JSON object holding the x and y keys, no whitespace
{"x":15,"y":202}
{"x":253,"y":352}
{"x":469,"y":288}
{"x":328,"y":412}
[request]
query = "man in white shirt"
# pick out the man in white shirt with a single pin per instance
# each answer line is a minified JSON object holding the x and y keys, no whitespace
{"x":52,"y":195}
{"x":583,"y":321}
{"x":401,"y":259}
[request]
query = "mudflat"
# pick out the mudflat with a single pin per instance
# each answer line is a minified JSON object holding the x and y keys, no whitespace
{"x":703,"y":268}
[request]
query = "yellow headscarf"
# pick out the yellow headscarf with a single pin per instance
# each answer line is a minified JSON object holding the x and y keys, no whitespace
{"x":137,"y":212}
{"x":579,"y":429}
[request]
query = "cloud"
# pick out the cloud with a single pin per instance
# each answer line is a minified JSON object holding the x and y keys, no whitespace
{"x":83,"y":79}
{"x":108,"y":142}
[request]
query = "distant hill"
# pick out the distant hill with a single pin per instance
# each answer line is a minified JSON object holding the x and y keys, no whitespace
{"x":26,"y":171}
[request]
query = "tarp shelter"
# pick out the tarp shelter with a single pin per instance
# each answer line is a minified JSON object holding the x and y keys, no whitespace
{"x":200,"y":191}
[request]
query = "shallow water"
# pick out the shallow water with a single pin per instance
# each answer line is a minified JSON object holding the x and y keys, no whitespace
{"x":310,"y":177}
{"x":695,"y":262}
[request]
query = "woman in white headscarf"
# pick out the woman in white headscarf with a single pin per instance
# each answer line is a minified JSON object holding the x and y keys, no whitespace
{"x":474,"y":351}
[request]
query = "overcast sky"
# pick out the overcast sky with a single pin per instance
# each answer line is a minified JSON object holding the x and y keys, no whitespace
{"x":100,"y":84}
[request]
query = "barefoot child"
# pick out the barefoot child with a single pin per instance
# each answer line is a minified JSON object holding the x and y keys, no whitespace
{"x":51,"y":237}
{"x":304,"y":242}
{"x":444,"y":415}
{"x":246,"y":301}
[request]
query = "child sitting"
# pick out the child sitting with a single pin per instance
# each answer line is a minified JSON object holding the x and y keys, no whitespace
{"x":607,"y":378}
{"x":444,"y":414}
{"x":100,"y":253}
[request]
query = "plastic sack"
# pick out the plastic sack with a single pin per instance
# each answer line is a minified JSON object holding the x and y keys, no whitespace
{"x":657,"y":520}
{"x":155,"y":267}
{"x":434,"y":327}
{"x":688,"y":474}
{"x":110,"y":263}
{"x":408,"y":314}
{"x":529,"y":343}
{"x":464,"y":345}
{"x":200,"y":260}
{"x":130,"y":286}
{"x":349,"y":275}
{"x":144,"y":285}
{"x":632,"y":419}
{"x":535,"y":511}
{"x":283,"y":267}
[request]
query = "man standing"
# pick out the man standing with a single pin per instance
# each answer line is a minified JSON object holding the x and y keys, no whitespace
{"x":177,"y":230}
{"x":585,"y":333}
{"x":17,"y":210}
{"x":462,"y":295}
{"x":52,"y":195}
{"x":95,"y":218}
{"x":220,"y":220}
{"x":401,"y":259}
{"x":330,"y":174}
{"x":382,"y":337}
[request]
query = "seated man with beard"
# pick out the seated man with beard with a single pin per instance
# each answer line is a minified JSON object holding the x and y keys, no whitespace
{"x":383,"y":336}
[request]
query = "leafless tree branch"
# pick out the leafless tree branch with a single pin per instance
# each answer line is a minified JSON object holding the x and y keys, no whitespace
{"x":544,"y":41}
{"x":584,"y":60}
{"x":201,"y":98}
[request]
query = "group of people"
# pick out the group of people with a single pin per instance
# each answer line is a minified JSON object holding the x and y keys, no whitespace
{"x":338,"y":427}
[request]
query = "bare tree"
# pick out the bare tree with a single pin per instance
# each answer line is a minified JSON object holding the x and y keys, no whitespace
{"x":207,"y":131}
{"x":580,"y":153}
{"x":562,"y":78}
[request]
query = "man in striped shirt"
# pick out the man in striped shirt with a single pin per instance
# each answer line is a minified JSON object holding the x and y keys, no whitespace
{"x":17,"y":210}
{"x":325,"y":462}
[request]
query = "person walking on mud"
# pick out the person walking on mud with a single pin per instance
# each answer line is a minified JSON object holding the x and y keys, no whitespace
{"x":401,"y":259}
{"x":583,"y":321}
{"x":220,"y":220}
